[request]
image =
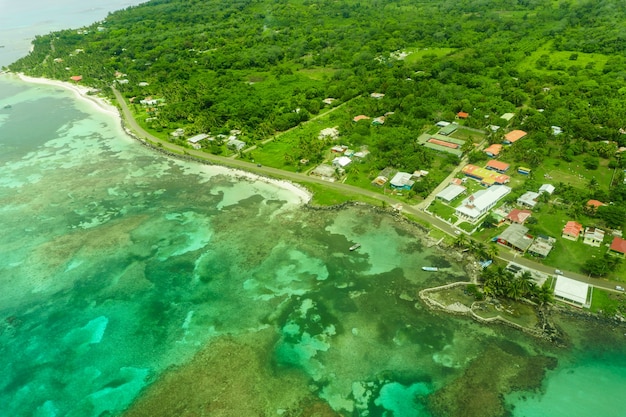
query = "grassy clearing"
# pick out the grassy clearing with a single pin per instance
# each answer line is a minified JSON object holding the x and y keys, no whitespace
{"x":318,"y":74}
{"x":607,"y":303}
{"x":324,"y":196}
{"x":418,"y":54}
{"x":466,"y":134}
{"x":442,"y":210}
{"x":560,"y":60}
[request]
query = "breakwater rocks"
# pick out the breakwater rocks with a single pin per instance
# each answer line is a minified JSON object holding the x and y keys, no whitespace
{"x":444,"y":298}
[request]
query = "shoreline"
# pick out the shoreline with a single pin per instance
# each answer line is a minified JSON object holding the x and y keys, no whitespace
{"x":104,"y":106}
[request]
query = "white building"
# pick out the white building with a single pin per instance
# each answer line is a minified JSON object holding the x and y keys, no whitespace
{"x":402,"y":180}
{"x":451,"y":192}
{"x":547,"y":188}
{"x":479,"y":203}
{"x":341,"y":161}
{"x":528,"y":199}
{"x":572,"y":291}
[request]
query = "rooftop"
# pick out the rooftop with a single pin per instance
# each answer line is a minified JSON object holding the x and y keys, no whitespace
{"x":571,"y":290}
{"x":514,"y":135}
{"x":618,"y":245}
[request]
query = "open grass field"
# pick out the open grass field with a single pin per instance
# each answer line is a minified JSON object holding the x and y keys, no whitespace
{"x":560,"y":60}
{"x":418,"y":54}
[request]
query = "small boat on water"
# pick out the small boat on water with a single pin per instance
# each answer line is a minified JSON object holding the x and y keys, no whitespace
{"x":430,"y":268}
{"x":355,"y":246}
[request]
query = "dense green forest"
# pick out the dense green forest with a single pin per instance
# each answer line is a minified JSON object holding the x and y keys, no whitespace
{"x":263,"y":66}
{"x":250,"y":63}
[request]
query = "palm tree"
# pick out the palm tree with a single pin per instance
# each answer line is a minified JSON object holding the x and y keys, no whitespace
{"x":545,"y":294}
{"x":461,"y":241}
{"x":492,"y":251}
{"x":480,"y":249}
{"x":525,"y":283}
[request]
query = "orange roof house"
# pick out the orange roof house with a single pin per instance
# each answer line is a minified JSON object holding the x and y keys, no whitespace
{"x":462,"y":115}
{"x":360,"y":117}
{"x":76,"y":78}
{"x":498,"y":166}
{"x":594,"y":203}
{"x":572,"y":230}
{"x":513,"y":136}
{"x":493,"y":150}
{"x":618,"y":246}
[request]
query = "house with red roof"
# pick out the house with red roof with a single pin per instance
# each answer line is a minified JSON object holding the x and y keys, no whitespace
{"x":76,"y":78}
{"x":592,"y":205}
{"x":497,"y":166}
{"x":618,"y":247}
{"x":572,"y":230}
{"x":360,"y":117}
{"x":493,"y":150}
{"x":513,"y":136}
{"x":518,"y":216}
{"x":462,"y":115}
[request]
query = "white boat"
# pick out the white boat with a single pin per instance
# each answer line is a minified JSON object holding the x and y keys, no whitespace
{"x":355,"y":246}
{"x":430,"y":268}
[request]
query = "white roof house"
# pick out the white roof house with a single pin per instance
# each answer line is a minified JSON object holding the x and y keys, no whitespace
{"x":570,"y":290}
{"x":197,"y":138}
{"x":547,"y":188}
{"x":481,"y":202}
{"x":528,"y":199}
{"x":342,"y":161}
{"x":235,"y":143}
{"x":451,"y":192}
{"x":402,"y":180}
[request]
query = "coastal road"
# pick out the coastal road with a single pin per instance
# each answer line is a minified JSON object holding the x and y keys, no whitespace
{"x":415,"y":211}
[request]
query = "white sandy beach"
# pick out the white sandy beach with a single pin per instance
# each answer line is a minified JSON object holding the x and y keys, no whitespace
{"x":101,"y":104}
{"x":80,"y":92}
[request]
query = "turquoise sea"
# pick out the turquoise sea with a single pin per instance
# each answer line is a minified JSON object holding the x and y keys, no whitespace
{"x":135,"y":281}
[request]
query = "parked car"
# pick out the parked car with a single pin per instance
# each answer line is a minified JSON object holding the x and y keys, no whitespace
{"x":558,"y":272}
{"x":619,"y":288}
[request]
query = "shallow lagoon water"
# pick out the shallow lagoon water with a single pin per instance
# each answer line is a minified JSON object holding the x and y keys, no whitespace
{"x":125,"y":272}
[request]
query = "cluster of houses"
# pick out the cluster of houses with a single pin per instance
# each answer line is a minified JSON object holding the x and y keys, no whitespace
{"x":593,"y":236}
{"x":400,"y":180}
{"x":231,"y":140}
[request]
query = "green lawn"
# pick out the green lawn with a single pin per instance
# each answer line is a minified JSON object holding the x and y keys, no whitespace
{"x":607,"y":302}
{"x":560,"y":60}
{"x":418,"y":54}
{"x":443,"y":210}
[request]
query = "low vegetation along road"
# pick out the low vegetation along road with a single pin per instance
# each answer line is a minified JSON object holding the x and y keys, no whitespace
{"x":416,"y":211}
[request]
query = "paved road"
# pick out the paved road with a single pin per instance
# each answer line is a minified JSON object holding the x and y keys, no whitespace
{"x":416,"y":211}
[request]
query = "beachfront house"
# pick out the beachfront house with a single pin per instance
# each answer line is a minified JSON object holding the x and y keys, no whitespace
{"x":194,"y":141}
{"x":402,"y":180}
{"x":478,"y":204}
{"x":572,"y":292}
{"x":451,"y":192}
